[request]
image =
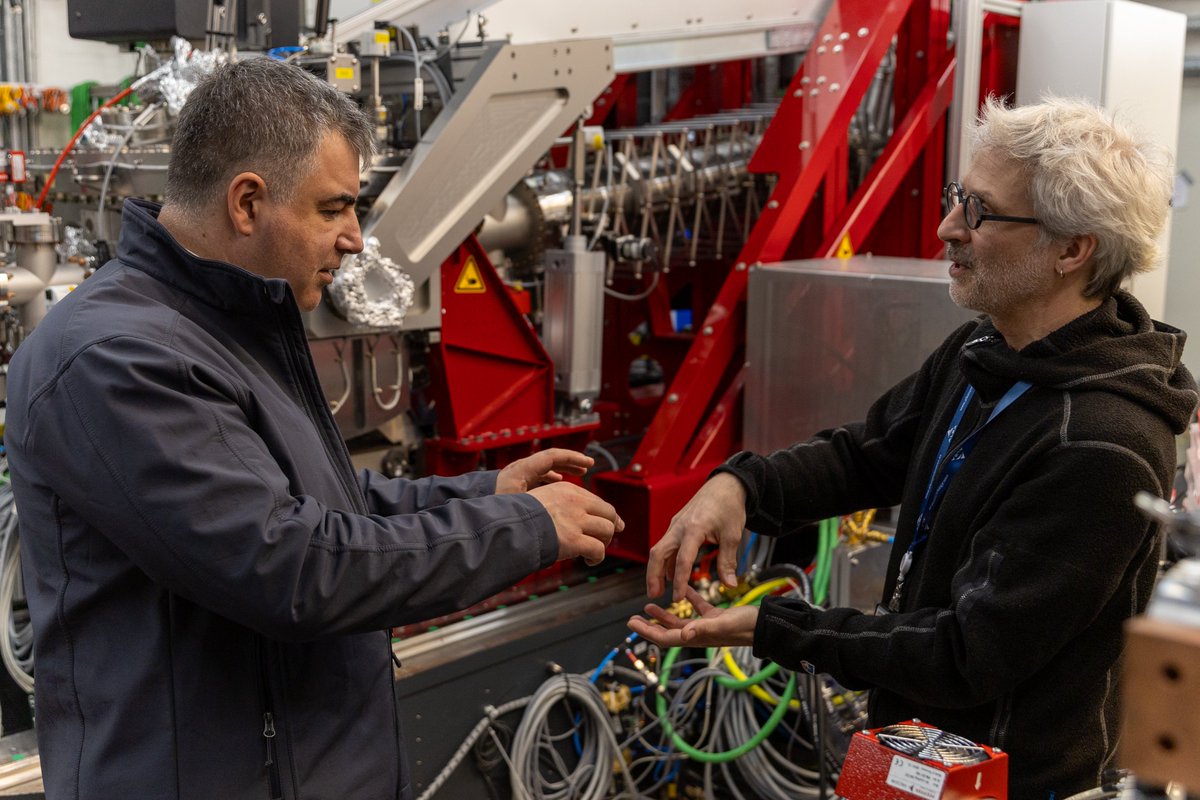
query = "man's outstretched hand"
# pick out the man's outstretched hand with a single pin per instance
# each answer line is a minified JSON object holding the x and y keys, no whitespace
{"x":715,"y":627}
{"x":539,"y":469}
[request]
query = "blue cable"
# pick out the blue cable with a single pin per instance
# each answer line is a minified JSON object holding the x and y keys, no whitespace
{"x":746,"y":553}
{"x":281,"y":53}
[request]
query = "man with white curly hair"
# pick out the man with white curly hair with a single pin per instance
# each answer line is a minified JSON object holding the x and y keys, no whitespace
{"x":1014,"y":452}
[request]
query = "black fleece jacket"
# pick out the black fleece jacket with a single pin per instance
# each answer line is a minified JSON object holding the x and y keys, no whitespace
{"x":1010,"y":625}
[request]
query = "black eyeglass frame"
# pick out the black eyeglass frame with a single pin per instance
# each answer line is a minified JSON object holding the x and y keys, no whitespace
{"x":953,"y":197}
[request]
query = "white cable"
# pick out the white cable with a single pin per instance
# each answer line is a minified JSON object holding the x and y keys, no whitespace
{"x":608,"y":190}
{"x":418,"y":84}
{"x":480,"y":727}
{"x":641,"y":296}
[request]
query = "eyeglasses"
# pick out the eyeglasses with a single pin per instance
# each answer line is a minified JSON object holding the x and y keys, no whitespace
{"x":973,"y":208}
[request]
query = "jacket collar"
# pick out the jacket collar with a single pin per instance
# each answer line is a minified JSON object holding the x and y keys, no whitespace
{"x":1115,"y":348}
{"x":147,"y":246}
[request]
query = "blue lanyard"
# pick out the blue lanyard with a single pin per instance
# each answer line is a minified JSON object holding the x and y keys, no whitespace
{"x":944,"y":470}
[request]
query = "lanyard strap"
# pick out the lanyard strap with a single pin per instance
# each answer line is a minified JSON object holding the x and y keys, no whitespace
{"x":945,"y":467}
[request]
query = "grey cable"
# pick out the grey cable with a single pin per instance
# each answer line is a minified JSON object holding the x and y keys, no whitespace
{"x":16,"y":635}
{"x":138,"y":122}
{"x":592,"y":777}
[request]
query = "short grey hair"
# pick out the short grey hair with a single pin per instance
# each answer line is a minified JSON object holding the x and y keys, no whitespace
{"x":1087,"y":174}
{"x":261,"y":116}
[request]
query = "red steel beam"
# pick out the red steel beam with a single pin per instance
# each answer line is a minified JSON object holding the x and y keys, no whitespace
{"x":904,"y":148}
{"x":805,"y":136}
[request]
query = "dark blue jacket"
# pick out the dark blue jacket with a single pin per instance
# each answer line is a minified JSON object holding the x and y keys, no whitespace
{"x":209,"y":581}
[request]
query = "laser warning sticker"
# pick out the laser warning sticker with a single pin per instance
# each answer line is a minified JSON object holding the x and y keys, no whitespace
{"x":470,"y":280}
{"x":845,"y":249}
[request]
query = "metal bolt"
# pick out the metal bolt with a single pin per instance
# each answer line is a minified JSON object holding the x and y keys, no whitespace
{"x":862,"y":33}
{"x":821,"y":50}
{"x":805,"y":145}
{"x":843,"y":36}
{"x":920,"y":54}
{"x":811,"y":93}
{"x":837,"y":48}
{"x":773,"y":204}
{"x":798,"y":93}
{"x":635,"y":467}
{"x":820,"y":79}
{"x":708,"y":330}
{"x":833,"y":87}
{"x":804,"y":80}
{"x":672,"y":398}
{"x":741,"y":266}
{"x":827,"y":37}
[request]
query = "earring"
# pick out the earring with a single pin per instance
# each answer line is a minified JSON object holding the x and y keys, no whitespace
{"x":1060,"y":272}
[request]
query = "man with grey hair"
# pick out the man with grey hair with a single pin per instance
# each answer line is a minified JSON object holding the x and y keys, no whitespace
{"x":211,"y":584}
{"x":1014,"y":453}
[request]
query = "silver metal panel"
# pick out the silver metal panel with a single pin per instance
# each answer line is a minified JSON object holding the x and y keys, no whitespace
{"x":646,"y":35}
{"x":825,"y":338}
{"x":573,"y":320}
{"x":518,"y":100}
{"x":365,"y":379}
{"x":857,"y":576}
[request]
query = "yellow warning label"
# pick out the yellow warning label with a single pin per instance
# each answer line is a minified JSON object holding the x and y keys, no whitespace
{"x":343,"y":73}
{"x":845,"y":249}
{"x":470,"y":281}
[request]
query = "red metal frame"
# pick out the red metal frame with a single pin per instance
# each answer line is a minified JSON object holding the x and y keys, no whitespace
{"x":495,"y":386}
{"x":804,"y":145}
{"x":714,"y":87}
{"x":495,"y":393}
{"x":894,"y":211}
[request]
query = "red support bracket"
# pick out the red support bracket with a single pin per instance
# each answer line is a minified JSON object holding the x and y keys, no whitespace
{"x":926,"y":116}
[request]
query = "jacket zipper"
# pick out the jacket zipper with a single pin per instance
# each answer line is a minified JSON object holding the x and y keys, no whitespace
{"x":274,"y":782}
{"x":272,"y":767}
{"x":309,"y":384}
